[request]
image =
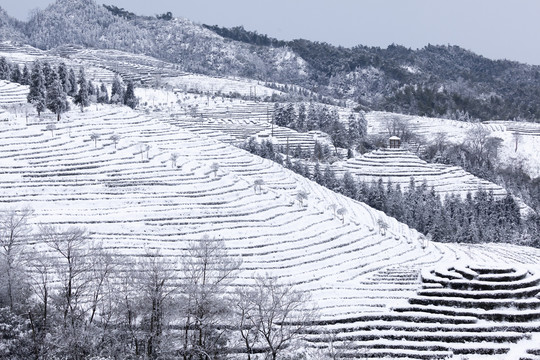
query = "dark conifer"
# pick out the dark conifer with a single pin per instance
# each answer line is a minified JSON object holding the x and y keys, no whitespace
{"x":129,"y":97}
{"x":37,"y":94}
{"x":82,"y":99}
{"x":72,"y":83}
{"x":57,"y":99}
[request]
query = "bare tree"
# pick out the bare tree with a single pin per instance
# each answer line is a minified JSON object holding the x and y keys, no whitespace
{"x":40,"y":283}
{"x":399,"y":127}
{"x":95,"y":137}
{"x":208,"y":270}
{"x":14,"y":229}
{"x":51,"y":128}
{"x":156,"y":290}
{"x":71,"y":266}
{"x":301,"y":196}
{"x":334,"y":208}
{"x":341,"y":213}
{"x":215,"y":167}
{"x":383,"y":226}
{"x":257,"y":184}
{"x":482,"y":145}
{"x":115,"y":139}
{"x":174,"y":157}
{"x":517,"y":138}
{"x":80,"y":270}
{"x":245,"y":309}
{"x":281,"y":314}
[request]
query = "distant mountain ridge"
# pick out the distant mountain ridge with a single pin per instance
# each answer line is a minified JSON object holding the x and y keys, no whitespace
{"x":10,"y":28}
{"x":438,"y":81}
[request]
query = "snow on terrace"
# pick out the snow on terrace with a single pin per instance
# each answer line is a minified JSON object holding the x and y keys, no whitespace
{"x":132,"y":198}
{"x":221,"y":85}
{"x":26,"y":55}
{"x":12,"y":94}
{"x":525,"y":134}
{"x":234,"y":120}
{"x":399,"y":165}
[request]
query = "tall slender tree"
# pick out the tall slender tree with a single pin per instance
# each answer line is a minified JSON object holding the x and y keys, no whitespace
{"x":25,"y":78}
{"x":37,"y":94}
{"x":82,"y":99}
{"x":72,"y":80}
{"x":117,"y":91}
{"x":57,"y":99}
{"x":129,"y":97}
{"x":63,"y":75}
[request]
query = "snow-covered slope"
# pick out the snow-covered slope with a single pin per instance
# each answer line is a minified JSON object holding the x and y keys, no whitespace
{"x":525,"y":134}
{"x":133,"y":198}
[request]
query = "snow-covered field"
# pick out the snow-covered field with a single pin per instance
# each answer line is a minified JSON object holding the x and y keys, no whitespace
{"x":220,"y":85}
{"x":133,"y":198}
{"x":527,"y":135}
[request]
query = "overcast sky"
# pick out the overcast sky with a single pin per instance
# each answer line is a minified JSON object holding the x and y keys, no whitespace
{"x":497,"y":29}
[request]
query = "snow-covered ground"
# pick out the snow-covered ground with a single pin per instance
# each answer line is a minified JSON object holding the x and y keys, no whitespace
{"x":220,"y":85}
{"x":133,"y":197}
{"x":527,"y":135}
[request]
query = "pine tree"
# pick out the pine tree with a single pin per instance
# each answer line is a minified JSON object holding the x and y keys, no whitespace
{"x":129,"y":97}
{"x":279,"y":115}
{"x":103,"y":94}
{"x":324,"y":119}
{"x":72,"y":80}
{"x":338,"y":135}
{"x":301,"y":120}
{"x":57,"y":99}
{"x":25,"y":78}
{"x":353,"y":131}
{"x":317,"y":175}
{"x":290,"y":116}
{"x":82,"y":97}
{"x":37,"y":94}
{"x":348,"y":186}
{"x":117,"y":91}
{"x":63,"y":76}
{"x":329,"y":178}
{"x":49,"y":74}
{"x":16,"y":75}
{"x":5,"y":69}
{"x":91,"y":88}
{"x":318,"y":151}
{"x":312,"y":120}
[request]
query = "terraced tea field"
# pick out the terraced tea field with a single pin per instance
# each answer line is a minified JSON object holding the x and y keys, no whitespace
{"x":132,"y":197}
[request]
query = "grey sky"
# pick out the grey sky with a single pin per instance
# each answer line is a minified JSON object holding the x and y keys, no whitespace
{"x":494,"y":28}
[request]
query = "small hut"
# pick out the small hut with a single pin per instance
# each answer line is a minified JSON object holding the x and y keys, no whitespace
{"x":394,"y":142}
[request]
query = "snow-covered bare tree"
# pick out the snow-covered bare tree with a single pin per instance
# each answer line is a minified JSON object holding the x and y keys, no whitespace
{"x":278,"y":313}
{"x":14,"y":231}
{"x":208,"y":271}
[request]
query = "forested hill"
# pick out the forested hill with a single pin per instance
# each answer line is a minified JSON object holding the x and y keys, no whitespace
{"x":10,"y":28}
{"x":440,"y":81}
{"x":446,"y":81}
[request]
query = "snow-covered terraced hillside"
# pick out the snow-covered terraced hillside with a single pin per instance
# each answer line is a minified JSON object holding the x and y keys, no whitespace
{"x":12,"y":93}
{"x":478,"y":311}
{"x":221,"y":85}
{"x":27,"y":55}
{"x":235,"y":121}
{"x":520,"y":145}
{"x":428,"y":128}
{"x":133,"y":198}
{"x":399,"y":165}
{"x":138,"y":68}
